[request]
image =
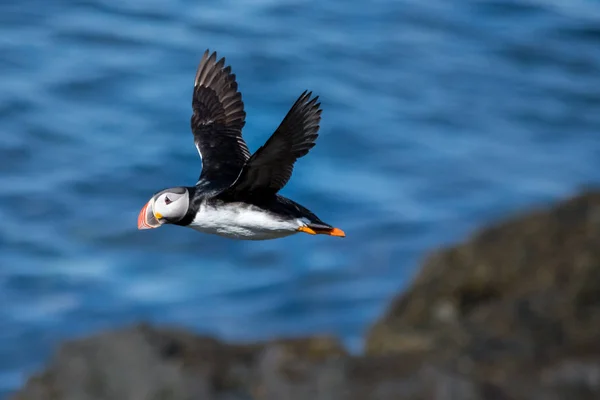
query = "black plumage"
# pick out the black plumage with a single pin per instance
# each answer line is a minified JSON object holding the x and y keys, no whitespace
{"x":217,"y":121}
{"x":270,"y":167}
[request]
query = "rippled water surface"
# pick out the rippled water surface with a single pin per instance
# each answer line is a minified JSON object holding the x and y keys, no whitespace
{"x":438,"y":117}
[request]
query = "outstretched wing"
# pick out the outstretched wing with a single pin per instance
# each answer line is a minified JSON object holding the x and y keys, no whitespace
{"x":271,"y":166}
{"x":217,"y":121}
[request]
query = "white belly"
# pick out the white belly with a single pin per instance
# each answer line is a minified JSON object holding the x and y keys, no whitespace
{"x":242,"y":222}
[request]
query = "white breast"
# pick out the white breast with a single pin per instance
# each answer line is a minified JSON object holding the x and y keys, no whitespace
{"x":240,"y":221}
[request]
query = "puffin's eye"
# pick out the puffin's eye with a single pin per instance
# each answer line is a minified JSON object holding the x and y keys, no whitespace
{"x":167,"y":200}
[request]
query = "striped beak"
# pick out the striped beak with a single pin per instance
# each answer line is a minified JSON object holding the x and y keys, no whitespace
{"x":146,"y":218}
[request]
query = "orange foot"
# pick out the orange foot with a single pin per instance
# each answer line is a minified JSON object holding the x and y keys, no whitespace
{"x":319,"y":231}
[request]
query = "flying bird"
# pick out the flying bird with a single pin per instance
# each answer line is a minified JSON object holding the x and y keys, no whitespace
{"x":236,"y":195}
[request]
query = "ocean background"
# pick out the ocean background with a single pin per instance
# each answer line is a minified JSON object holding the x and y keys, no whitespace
{"x":439,"y":117}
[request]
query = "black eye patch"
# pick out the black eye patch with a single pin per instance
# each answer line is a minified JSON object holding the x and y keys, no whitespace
{"x":167,"y":200}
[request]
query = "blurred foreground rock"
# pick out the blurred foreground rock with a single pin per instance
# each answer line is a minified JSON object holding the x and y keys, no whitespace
{"x":514,"y":313}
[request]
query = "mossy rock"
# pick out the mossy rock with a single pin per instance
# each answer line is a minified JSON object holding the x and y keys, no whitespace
{"x":530,"y":284}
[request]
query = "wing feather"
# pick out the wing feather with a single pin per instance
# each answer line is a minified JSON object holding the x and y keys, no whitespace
{"x":217,"y":121}
{"x":270,"y":168}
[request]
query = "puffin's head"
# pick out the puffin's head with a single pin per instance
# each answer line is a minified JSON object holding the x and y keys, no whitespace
{"x":166,"y":206}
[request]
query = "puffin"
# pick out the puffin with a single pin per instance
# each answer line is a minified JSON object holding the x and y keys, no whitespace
{"x":237,"y":193}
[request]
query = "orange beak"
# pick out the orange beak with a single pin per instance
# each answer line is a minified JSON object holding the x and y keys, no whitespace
{"x":146,"y":218}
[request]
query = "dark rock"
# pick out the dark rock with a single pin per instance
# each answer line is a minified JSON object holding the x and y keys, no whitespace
{"x":512,"y":314}
{"x":515,"y":298}
{"x":143,"y":362}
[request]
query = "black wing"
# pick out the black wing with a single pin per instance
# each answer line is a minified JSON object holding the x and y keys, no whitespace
{"x":217,"y":121}
{"x":270,"y":167}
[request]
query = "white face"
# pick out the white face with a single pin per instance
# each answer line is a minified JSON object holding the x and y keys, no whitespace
{"x":171,"y":205}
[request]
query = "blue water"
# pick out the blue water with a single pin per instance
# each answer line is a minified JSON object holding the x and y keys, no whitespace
{"x":438,"y":118}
